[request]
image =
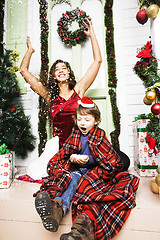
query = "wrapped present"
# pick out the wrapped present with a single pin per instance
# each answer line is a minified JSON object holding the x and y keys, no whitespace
{"x":6,"y":169}
{"x":145,"y":160}
{"x":7,"y":161}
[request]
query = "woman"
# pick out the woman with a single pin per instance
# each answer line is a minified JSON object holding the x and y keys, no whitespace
{"x":62,"y":92}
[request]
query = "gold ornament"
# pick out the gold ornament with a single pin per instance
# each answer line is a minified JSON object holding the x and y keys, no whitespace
{"x":144,"y":7}
{"x":151,"y":95}
{"x":147,"y":101}
{"x":155,"y":183}
{"x":154,"y":186}
{"x":158,"y":169}
{"x":158,"y":179}
{"x":152,"y":11}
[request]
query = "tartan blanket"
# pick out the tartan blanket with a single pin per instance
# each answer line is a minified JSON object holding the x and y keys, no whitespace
{"x":107,"y":203}
{"x":105,"y":194}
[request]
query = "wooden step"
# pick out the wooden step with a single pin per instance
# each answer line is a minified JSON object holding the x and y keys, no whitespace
{"x":20,"y":221}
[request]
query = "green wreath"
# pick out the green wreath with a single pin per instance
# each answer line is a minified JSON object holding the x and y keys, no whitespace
{"x":68,"y":37}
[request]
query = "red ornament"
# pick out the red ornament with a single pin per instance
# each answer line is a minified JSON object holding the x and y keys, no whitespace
{"x":13,"y":109}
{"x":142,"y":16}
{"x":155,"y":109}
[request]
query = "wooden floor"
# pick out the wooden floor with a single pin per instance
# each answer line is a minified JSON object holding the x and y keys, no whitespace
{"x":20,"y":221}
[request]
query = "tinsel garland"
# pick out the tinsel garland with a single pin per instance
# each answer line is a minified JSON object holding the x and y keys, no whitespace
{"x":112,"y":79}
{"x":43,"y":74}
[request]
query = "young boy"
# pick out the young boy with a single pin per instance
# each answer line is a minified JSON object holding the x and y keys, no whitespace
{"x":88,"y":173}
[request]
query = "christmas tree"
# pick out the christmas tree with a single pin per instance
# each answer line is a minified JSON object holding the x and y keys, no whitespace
{"x":15,"y":129}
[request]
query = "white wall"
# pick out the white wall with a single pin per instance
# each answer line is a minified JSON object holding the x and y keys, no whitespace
{"x":129,"y":36}
{"x":30,"y":100}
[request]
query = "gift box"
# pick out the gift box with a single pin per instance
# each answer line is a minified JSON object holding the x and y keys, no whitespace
{"x":6,"y":169}
{"x":145,"y":160}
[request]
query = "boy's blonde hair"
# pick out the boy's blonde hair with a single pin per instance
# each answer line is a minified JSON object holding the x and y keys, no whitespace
{"x":94,"y":111}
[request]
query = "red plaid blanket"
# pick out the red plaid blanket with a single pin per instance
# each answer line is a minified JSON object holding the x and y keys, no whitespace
{"x":105,"y":194}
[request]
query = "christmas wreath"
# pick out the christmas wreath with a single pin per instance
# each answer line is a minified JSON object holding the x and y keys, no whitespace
{"x":72,"y":38}
{"x":147,"y":69}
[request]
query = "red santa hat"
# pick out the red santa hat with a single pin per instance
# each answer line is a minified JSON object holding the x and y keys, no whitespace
{"x":86,"y":102}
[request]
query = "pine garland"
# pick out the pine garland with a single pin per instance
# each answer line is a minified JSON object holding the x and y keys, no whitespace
{"x":153,"y":129}
{"x":116,"y":119}
{"x":112,"y":79}
{"x":1,"y":26}
{"x":147,"y":70}
{"x":149,"y":2}
{"x":43,"y":74}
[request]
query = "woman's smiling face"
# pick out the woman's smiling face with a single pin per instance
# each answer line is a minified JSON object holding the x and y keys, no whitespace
{"x":61,"y":72}
{"x":85,"y":123}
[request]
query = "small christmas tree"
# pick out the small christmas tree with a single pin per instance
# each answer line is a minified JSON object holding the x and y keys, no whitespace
{"x":15,"y":129}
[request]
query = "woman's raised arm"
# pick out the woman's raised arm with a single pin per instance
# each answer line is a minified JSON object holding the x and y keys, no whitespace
{"x":34,"y":82}
{"x":91,"y":73}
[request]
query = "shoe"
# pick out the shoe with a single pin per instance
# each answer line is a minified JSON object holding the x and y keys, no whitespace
{"x":51,"y":212}
{"x":82,"y":229}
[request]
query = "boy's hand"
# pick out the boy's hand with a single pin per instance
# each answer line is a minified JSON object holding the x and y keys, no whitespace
{"x":79,"y":159}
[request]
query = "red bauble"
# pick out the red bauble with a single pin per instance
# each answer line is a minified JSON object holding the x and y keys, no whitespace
{"x":142,"y":16}
{"x":155,"y":109}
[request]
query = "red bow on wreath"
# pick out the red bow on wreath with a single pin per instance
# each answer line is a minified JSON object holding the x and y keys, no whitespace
{"x":146,"y":53}
{"x":151,"y":143}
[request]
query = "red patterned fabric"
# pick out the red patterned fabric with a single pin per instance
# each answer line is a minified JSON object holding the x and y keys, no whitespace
{"x":27,"y":178}
{"x":105,"y":194}
{"x":61,"y":115}
{"x":107,"y":203}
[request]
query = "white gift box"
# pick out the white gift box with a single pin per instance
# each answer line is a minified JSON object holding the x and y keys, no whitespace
{"x":145,"y":161}
{"x":6,"y":169}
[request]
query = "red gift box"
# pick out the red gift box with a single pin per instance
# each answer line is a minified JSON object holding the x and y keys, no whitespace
{"x":145,"y":160}
{"x":6,"y":169}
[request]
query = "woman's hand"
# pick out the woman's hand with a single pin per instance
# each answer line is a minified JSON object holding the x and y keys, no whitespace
{"x":29,"y":45}
{"x":87,"y":23}
{"x":79,"y":159}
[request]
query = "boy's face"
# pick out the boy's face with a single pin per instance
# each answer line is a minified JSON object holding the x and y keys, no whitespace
{"x":85,"y":123}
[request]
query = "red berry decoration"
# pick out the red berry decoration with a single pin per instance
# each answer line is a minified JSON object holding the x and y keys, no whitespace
{"x":142,"y":16}
{"x":155,"y":109}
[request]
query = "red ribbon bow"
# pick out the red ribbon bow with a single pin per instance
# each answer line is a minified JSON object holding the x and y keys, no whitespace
{"x":151,"y":143}
{"x":146,"y":53}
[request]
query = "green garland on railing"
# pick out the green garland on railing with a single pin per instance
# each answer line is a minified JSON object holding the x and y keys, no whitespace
{"x":116,"y":118}
{"x":43,"y":74}
{"x":1,"y":26}
{"x":112,"y":79}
